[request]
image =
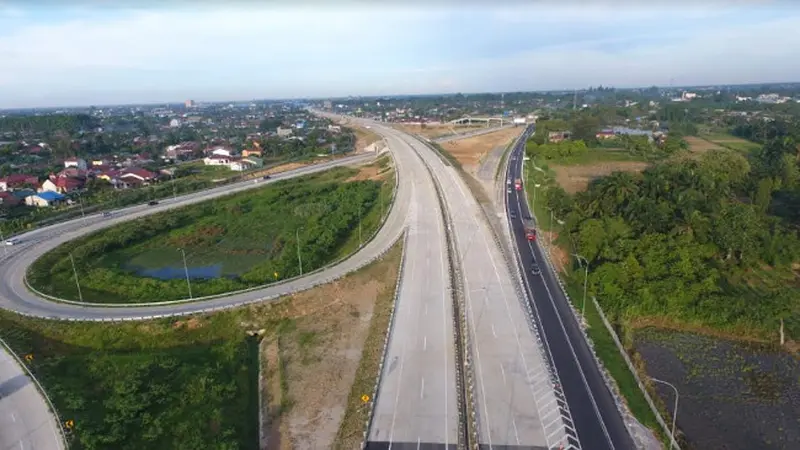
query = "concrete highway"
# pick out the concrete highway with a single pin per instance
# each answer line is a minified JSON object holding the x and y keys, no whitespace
{"x":516,"y":406}
{"x":25,"y":420}
{"x":597,"y":420}
{"x":416,"y":405}
{"x":14,"y":260}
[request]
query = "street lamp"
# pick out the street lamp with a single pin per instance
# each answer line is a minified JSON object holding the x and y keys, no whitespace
{"x":675,"y":409}
{"x":535,"y":190}
{"x":75,"y":272}
{"x":299,"y":258}
{"x":186,"y":271}
{"x":585,"y":279}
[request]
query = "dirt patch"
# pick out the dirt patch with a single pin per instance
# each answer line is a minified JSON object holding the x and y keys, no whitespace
{"x":272,"y":396}
{"x":369,"y":173}
{"x":436,"y":131}
{"x":470,"y":151}
{"x":576,"y":178}
{"x":558,"y":256}
{"x":364,"y":138}
{"x":190,"y":324}
{"x":322,"y":350}
{"x":699,"y":145}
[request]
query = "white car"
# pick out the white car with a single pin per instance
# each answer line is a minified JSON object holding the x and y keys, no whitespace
{"x":12,"y":241}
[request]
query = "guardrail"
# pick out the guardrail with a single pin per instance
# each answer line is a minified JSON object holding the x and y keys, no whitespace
{"x":609,"y":380}
{"x":233,"y":305}
{"x":389,"y":330}
{"x":41,"y":390}
{"x":370,"y":238}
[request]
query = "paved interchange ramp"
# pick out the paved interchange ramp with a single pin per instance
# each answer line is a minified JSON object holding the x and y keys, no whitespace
{"x":416,"y":405}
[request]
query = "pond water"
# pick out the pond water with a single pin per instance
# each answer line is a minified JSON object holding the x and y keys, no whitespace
{"x":172,"y":273}
{"x":733,"y":396}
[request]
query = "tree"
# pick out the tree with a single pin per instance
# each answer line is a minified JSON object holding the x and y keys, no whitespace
{"x":585,"y":129}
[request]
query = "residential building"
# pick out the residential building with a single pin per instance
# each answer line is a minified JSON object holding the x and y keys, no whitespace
{"x":558,"y":136}
{"x":221,"y":152}
{"x":217,"y":160}
{"x":18,"y":181}
{"x":255,"y":161}
{"x":605,"y":134}
{"x":251,"y":152}
{"x":284,"y":132}
{"x":8,"y":199}
{"x":240,"y":165}
{"x":142,"y":175}
{"x":45,"y":199}
{"x":174,"y":123}
{"x":75,"y":162}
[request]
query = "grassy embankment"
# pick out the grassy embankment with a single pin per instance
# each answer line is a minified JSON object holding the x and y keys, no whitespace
{"x":249,"y":238}
{"x":189,"y":383}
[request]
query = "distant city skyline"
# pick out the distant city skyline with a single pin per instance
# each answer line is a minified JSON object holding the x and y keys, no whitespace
{"x":74,"y":55}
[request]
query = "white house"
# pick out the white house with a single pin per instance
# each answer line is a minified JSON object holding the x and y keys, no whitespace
{"x":217,"y":160}
{"x":75,"y":162}
{"x":241,"y":165}
{"x":174,"y":123}
{"x":221,"y":152}
{"x":48,"y":186}
{"x":44,"y":199}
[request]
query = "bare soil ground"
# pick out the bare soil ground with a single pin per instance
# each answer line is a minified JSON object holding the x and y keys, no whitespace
{"x":371,"y":172}
{"x":576,"y":178}
{"x":699,"y":145}
{"x":435,"y":131}
{"x":364,"y":137}
{"x":322,"y":349}
{"x":470,"y":151}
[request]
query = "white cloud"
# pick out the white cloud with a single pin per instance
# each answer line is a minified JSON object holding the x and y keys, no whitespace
{"x":149,"y":55}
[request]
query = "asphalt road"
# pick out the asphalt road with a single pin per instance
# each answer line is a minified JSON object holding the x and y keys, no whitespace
{"x":14,"y":260}
{"x":513,"y":408}
{"x":416,"y":405}
{"x":25,"y":420}
{"x":597,"y":420}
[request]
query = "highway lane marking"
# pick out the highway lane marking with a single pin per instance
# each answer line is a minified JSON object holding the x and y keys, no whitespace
{"x":422,"y":388}
{"x":418,"y":442}
{"x":516,"y":433}
{"x":426,"y":309}
{"x":493,"y":333}
{"x":13,"y":417}
{"x":425,"y":343}
{"x":503,"y":372}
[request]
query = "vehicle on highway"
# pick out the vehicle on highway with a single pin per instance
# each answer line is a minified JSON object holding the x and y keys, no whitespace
{"x":512,"y":214}
{"x":152,"y":203}
{"x":12,"y":241}
{"x":530,"y":230}
{"x":508,"y":190}
{"x":518,"y":184}
{"x":106,"y":214}
{"x":535,"y":270}
{"x":266,"y":177}
{"x":508,"y":182}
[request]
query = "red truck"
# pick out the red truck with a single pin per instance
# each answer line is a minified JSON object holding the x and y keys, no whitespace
{"x":530,"y":230}
{"x":518,"y":184}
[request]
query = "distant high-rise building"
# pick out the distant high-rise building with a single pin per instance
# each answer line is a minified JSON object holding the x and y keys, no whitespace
{"x":189,"y":103}
{"x":327,"y":104}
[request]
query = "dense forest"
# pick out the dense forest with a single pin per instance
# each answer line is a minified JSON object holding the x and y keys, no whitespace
{"x":710,"y":240}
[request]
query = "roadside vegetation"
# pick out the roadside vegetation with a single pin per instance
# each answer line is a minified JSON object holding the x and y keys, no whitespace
{"x":236,"y":242}
{"x":192,"y":382}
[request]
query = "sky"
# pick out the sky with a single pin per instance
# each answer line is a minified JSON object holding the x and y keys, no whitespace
{"x":84,"y":52}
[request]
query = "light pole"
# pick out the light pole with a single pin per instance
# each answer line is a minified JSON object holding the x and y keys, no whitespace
{"x":535,"y":189}
{"x":585,"y":279}
{"x":75,"y":272}
{"x":360,"y":241}
{"x":299,"y":258}
{"x":186,"y":271}
{"x":80,"y":201}
{"x":675,"y":409}
{"x":5,"y":245}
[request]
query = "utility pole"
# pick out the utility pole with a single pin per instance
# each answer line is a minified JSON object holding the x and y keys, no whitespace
{"x":585,"y":280}
{"x":360,"y":241}
{"x":5,"y":245}
{"x":75,"y":272}
{"x":186,"y":271}
{"x":80,"y":200}
{"x":299,"y":258}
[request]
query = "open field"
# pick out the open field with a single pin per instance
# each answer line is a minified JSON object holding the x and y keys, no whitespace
{"x":732,"y":395}
{"x":437,"y":131}
{"x":244,"y":240}
{"x":700,"y":145}
{"x":470,"y":151}
{"x":189,"y":383}
{"x":577,"y":178}
{"x":732,"y":142}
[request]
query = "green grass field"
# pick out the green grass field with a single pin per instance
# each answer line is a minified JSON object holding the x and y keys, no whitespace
{"x":251,"y":236}
{"x":730,"y":141}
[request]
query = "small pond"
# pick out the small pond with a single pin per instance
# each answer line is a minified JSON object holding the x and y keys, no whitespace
{"x":733,"y":396}
{"x":172,"y":273}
